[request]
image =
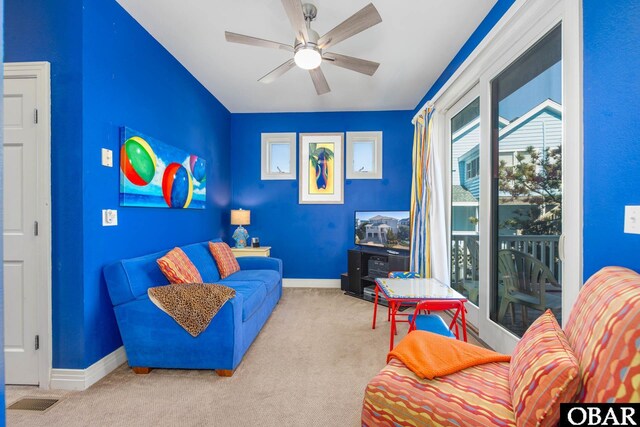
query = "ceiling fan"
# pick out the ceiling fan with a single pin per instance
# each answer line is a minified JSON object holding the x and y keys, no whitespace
{"x":309,"y":49}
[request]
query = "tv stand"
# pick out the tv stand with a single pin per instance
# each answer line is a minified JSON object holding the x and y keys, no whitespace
{"x":366,"y":264}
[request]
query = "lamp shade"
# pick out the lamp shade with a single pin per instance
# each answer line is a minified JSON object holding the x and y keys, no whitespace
{"x":240,"y":217}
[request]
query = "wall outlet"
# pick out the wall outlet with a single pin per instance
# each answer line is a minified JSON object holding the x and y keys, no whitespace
{"x":107,"y":157}
{"x":109,"y":217}
{"x":632,"y":219}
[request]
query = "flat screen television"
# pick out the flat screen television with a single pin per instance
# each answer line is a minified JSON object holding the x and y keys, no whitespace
{"x":383,"y":229}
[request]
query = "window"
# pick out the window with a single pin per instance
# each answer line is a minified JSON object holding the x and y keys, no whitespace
{"x":278,"y":156}
{"x":527,"y":197}
{"x":464,"y":122}
{"x":364,"y":155}
{"x":473,"y":168}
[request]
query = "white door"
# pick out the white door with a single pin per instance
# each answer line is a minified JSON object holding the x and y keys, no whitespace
{"x":20,"y":240}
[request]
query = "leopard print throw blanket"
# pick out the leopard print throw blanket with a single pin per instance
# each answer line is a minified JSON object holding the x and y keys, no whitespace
{"x":192,"y":305}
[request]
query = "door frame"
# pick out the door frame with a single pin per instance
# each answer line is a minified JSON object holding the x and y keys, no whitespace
{"x":41,"y":71}
{"x":522,"y":25}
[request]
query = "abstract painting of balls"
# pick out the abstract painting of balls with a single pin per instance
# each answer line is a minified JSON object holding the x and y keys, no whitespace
{"x":158,"y":175}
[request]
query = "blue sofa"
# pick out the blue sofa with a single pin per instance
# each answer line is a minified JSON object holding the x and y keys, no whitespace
{"x":152,"y":339}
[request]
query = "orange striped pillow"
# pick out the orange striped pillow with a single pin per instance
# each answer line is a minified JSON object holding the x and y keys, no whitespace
{"x":543,"y":374}
{"x":226,"y":260}
{"x":178,"y":268}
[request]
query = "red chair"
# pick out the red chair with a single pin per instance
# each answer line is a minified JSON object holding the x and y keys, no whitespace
{"x":434,"y":323}
{"x":392,"y":275}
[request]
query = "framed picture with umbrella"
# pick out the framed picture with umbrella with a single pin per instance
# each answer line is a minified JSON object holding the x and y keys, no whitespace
{"x":321,"y":168}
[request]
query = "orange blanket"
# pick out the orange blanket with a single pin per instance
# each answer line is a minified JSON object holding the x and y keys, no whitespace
{"x":431,"y":355}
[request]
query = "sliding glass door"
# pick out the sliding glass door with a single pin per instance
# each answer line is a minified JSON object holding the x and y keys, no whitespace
{"x":464,"y":147}
{"x":526,"y":167}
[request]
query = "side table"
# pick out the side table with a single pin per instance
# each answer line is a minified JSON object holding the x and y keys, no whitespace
{"x":249,"y":251}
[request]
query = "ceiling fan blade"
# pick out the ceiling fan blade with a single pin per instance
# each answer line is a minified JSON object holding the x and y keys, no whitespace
{"x":319,"y":81}
{"x":350,"y":63}
{"x":365,"y":18}
{"x":296,"y":17}
{"x":270,"y":77}
{"x":254,"y":41}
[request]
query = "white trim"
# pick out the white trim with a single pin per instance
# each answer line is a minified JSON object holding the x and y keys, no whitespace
{"x":573,"y":171}
{"x":311,"y":283}
{"x":374,"y":138}
{"x":82,"y":379}
{"x":266,"y":140}
{"x":525,"y":23}
{"x":41,"y":71}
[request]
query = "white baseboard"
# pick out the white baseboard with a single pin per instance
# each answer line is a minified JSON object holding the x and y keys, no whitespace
{"x":82,"y":379}
{"x":311,"y":283}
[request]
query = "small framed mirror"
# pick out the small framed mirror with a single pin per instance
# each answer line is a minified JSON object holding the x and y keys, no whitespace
{"x":364,"y":155}
{"x":278,"y":156}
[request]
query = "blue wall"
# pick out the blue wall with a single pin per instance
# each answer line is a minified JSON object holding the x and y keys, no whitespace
{"x":611,"y":129}
{"x":130,"y":79}
{"x":107,"y":71}
{"x":42,"y":30}
{"x":312,"y":240}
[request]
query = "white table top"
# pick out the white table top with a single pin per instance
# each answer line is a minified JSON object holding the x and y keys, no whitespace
{"x":418,"y":289}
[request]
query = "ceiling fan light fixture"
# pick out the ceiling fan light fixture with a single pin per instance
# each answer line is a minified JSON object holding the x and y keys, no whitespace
{"x":307,"y":58}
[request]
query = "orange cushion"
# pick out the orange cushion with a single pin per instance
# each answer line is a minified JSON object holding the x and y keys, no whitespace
{"x":178,"y":268}
{"x":226,"y":260}
{"x":543,"y":374}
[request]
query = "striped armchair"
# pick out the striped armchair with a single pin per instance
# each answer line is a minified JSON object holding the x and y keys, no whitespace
{"x":602,"y":335}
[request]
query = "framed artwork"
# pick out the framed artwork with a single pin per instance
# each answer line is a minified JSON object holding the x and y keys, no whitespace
{"x":364,"y":155}
{"x":321,"y":168}
{"x":278,"y":156}
{"x":158,"y":175}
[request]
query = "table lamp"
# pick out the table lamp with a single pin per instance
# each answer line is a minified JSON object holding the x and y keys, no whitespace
{"x":240,"y":217}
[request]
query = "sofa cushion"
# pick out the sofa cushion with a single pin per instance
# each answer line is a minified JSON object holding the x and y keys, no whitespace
{"x":253,"y":295}
{"x":201,"y":257}
{"x":178,"y":268}
{"x":543,"y":374}
{"x":477,"y":396}
{"x":270,"y":278}
{"x":226,"y":261}
{"x":604,"y":334}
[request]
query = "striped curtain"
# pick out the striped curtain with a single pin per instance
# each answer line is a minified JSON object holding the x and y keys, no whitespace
{"x":429,"y":248}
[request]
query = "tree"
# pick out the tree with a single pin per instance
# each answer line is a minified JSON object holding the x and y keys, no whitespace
{"x":391,"y":238}
{"x":361,"y":231}
{"x":535,"y":179}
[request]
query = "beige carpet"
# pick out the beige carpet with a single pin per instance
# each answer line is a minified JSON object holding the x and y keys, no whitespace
{"x":308,"y":367}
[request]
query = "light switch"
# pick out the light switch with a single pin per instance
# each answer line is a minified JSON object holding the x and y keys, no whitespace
{"x":632,"y":219}
{"x":109,"y":217}
{"x":107,"y":157}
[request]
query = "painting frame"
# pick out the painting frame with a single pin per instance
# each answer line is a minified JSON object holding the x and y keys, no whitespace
{"x":321,"y":168}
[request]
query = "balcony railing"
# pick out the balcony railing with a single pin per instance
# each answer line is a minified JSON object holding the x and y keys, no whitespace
{"x":465,"y":249}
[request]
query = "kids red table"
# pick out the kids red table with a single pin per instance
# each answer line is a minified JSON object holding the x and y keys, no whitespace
{"x":403,"y":291}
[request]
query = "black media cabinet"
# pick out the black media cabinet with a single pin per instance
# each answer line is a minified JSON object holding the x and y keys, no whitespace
{"x":367,"y":264}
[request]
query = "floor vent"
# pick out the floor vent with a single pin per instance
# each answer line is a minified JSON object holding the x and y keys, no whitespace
{"x":32,"y":404}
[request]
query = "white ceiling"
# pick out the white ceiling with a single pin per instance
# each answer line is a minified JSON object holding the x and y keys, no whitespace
{"x":414,"y":43}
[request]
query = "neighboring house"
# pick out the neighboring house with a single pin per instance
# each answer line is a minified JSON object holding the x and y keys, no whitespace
{"x":378,"y":227}
{"x":377,"y":233}
{"x":379,"y":219}
{"x":541,"y":128}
